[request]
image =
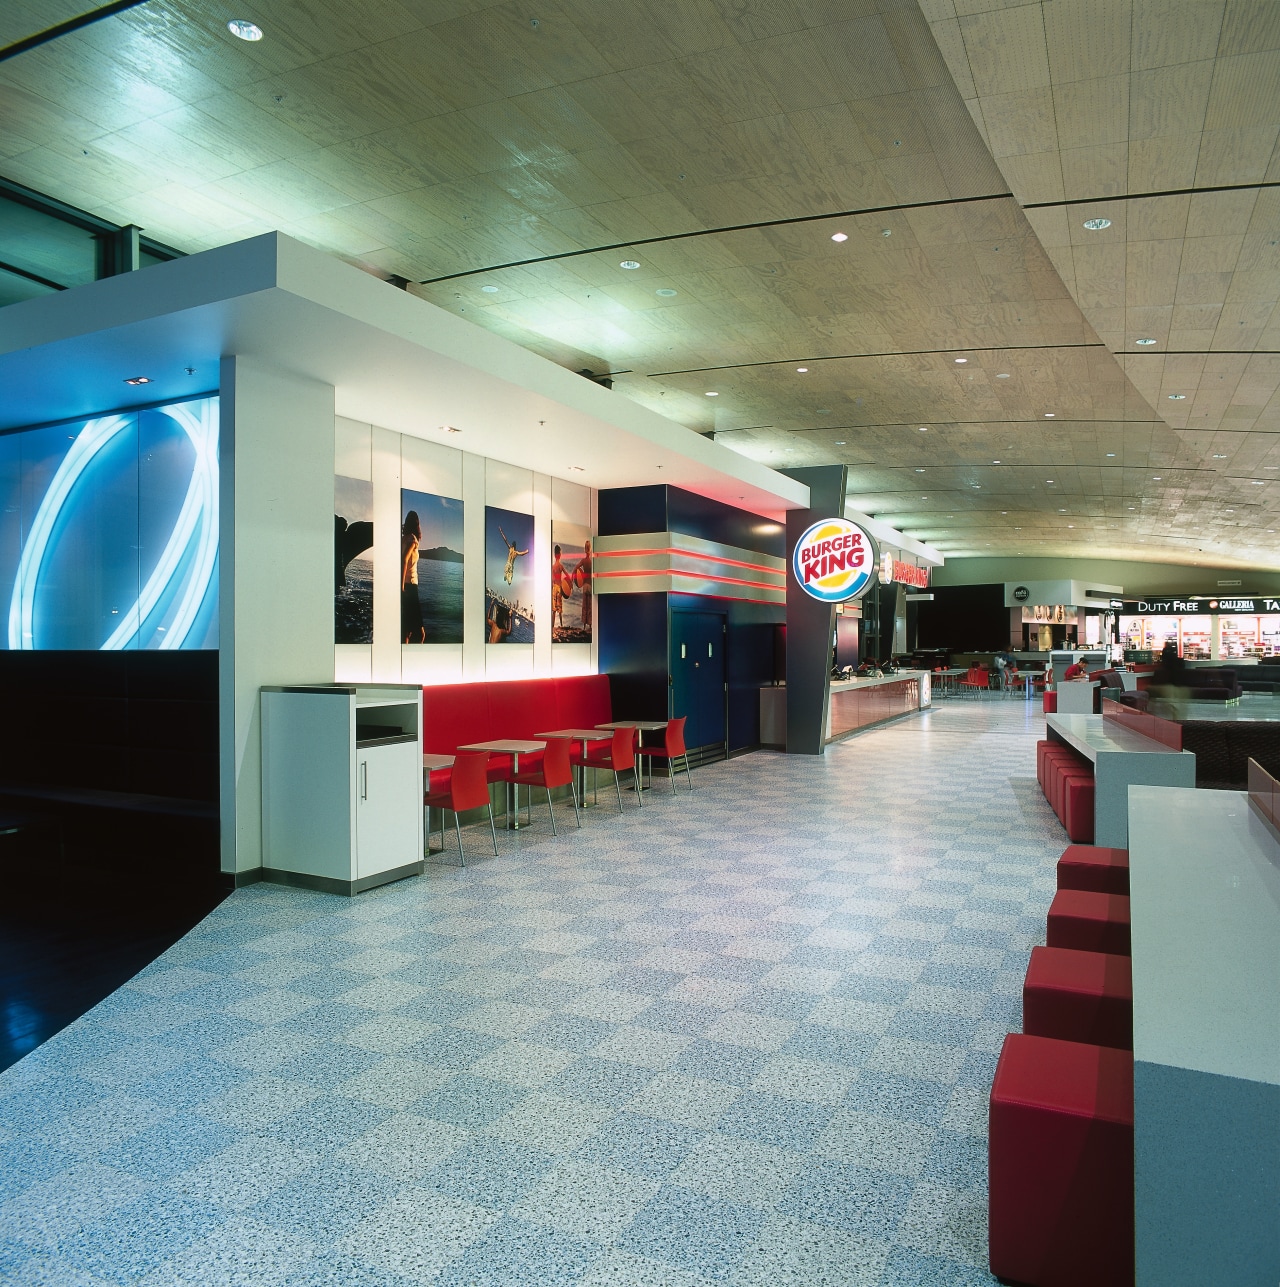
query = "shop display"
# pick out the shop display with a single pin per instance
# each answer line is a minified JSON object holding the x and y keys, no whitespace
{"x":431,"y":568}
{"x":571,"y":590}
{"x":508,"y":576}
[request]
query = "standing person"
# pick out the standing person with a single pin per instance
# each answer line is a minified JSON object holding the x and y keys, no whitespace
{"x":411,"y":627}
{"x":582,"y":575}
{"x":512,"y":555}
{"x":559,"y":583}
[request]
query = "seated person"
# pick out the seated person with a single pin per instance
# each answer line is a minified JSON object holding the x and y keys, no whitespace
{"x":1075,"y":671}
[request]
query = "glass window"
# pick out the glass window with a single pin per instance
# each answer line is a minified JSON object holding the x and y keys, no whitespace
{"x":43,"y":244}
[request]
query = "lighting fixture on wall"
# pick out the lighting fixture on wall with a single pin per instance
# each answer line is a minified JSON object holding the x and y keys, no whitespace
{"x":138,"y":379}
{"x":1097,"y":225}
{"x":242,"y":29}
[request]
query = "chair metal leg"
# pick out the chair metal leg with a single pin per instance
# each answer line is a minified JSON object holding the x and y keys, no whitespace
{"x":461,"y":852}
{"x":635,"y":776}
{"x":492,"y":830}
{"x":688,"y":772}
{"x":574,"y":791}
{"x":618,"y":789}
{"x":552,"y":812}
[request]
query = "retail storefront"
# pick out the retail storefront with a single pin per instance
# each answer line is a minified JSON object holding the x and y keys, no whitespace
{"x":1203,"y":628}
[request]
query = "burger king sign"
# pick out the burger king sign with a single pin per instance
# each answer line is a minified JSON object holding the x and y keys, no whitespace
{"x":835,"y":560}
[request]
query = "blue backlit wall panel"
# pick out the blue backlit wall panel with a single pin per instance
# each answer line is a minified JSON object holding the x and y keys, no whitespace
{"x":109,"y":531}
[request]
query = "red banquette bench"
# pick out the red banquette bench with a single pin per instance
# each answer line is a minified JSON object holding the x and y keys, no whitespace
{"x":454,"y":715}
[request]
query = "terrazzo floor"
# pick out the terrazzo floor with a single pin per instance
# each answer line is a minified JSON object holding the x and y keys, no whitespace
{"x":740,"y":1037}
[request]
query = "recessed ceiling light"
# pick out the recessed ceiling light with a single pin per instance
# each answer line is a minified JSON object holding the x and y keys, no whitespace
{"x":995,"y":462}
{"x":840,"y":442}
{"x":1110,"y":454}
{"x":839,"y":236}
{"x":1049,"y":415}
{"x":449,"y":429}
{"x":1071,"y":525}
{"x":489,"y":290}
{"x":577,"y":469}
{"x":1097,"y":225}
{"x":961,"y":361}
{"x":1002,"y":375}
{"x":1049,"y":481}
{"x":802,"y":369}
{"x":666,"y":292}
{"x":919,"y":469}
{"x":886,"y":232}
{"x":629,"y":264}
{"x":1146,"y":339}
{"x":1259,"y":482}
{"x":1004,"y":511}
{"x":712,"y":395}
{"x":1177,"y":397}
{"x":1155,"y":478}
{"x":1062,"y":511}
{"x":1217,"y":455}
{"x":138,"y":379}
{"x":242,"y":29}
{"x":924,"y":428}
{"x":1133,"y":507}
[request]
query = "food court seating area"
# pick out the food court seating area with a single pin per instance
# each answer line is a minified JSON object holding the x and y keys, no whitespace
{"x":1066,"y":778}
{"x":1061,"y":1110}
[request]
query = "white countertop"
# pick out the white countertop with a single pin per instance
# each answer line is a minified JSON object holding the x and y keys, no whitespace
{"x":1204,"y":879}
{"x":1090,"y":734}
{"x":844,"y":685}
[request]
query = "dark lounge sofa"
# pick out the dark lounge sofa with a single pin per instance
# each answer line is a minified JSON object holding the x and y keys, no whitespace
{"x":1259,"y":679}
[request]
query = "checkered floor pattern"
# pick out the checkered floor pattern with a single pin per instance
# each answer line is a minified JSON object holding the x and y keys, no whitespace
{"x":743,"y":1036}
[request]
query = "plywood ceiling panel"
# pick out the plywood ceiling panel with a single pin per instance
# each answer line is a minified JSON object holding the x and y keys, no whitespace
{"x":507,"y":162}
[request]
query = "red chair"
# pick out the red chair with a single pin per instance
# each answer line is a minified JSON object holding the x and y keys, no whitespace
{"x":1060,"y":1170}
{"x":468,"y":789}
{"x":554,"y":770}
{"x":620,"y":756}
{"x":672,"y":749}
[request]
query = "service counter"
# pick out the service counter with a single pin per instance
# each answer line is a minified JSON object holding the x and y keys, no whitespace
{"x":1204,"y":878}
{"x":858,"y":703}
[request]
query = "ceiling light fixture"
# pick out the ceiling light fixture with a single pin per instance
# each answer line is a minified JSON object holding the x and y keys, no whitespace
{"x":839,"y":236}
{"x":1177,"y":397}
{"x":1146,"y":339}
{"x":1097,"y":225}
{"x":801,"y":369}
{"x":1002,"y":375}
{"x":924,"y":428}
{"x":138,"y":379}
{"x":840,"y":442}
{"x":449,"y":429}
{"x":577,"y":469}
{"x":242,"y":29}
{"x":1219,"y":455}
{"x":1110,"y":454}
{"x":1155,"y":478}
{"x":961,"y":361}
{"x":886,"y":232}
{"x":919,"y":469}
{"x":629,"y":264}
{"x":1049,"y":415}
{"x":712,"y":395}
{"x":1259,"y":482}
{"x":666,"y":292}
{"x":489,"y":290}
{"x":995,"y":462}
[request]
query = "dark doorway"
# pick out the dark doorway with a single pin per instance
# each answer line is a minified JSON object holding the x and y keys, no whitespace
{"x":698,"y":675}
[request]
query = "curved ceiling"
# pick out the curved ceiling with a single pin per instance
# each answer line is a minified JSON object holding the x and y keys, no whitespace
{"x":507,"y":160}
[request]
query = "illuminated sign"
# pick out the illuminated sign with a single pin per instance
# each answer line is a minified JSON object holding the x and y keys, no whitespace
{"x":120,"y":550}
{"x":892,"y":570}
{"x":834,"y":560}
{"x":1197,"y":606}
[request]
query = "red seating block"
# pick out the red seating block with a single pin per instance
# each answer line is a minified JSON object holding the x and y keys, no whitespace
{"x":1091,"y":867}
{"x":1077,"y":807}
{"x":1051,"y":703}
{"x":1079,"y":996}
{"x":1089,"y":922}
{"x":1061,"y":1164}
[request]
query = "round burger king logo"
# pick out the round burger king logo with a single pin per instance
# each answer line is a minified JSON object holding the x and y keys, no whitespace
{"x":834,"y":560}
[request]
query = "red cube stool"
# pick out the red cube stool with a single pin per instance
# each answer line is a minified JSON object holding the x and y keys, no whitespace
{"x":1104,"y":871}
{"x":1089,"y":922}
{"x":1061,"y":1164}
{"x":1079,"y":996}
{"x":1077,"y":807}
{"x":1041,"y":747}
{"x":1063,"y":774}
{"x":1051,"y":703}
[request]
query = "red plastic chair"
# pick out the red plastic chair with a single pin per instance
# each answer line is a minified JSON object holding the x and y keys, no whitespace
{"x":554,"y":770}
{"x":620,"y":757}
{"x":468,"y":788}
{"x":672,"y":749}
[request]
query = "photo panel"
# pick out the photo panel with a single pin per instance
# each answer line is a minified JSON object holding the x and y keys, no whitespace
{"x":508,"y":576}
{"x":431,"y":568}
{"x":352,"y":560}
{"x":571,"y":591}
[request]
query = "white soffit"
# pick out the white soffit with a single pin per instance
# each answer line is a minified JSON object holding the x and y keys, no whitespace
{"x":886,"y":535}
{"x":394,"y":360}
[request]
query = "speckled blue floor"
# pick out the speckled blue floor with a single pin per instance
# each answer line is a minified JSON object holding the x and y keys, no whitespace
{"x":743,"y":1037}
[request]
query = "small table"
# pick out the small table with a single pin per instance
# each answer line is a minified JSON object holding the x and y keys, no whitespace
{"x":431,"y":761}
{"x":583,"y":735}
{"x":642,"y":726}
{"x":947,"y":679}
{"x":514,"y":747}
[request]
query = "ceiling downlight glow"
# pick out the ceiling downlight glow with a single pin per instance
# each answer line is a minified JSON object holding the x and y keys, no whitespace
{"x":138,"y":379}
{"x":839,"y":236}
{"x":1145,"y":341}
{"x":629,"y":264}
{"x":242,"y":29}
{"x":1097,"y":225}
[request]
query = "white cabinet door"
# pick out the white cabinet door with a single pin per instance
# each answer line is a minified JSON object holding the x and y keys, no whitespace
{"x":388,"y":808}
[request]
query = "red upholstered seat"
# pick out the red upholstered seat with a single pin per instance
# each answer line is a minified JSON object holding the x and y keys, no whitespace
{"x":453,"y":714}
{"x":1089,"y":922}
{"x":1051,"y":703}
{"x":1077,"y":807}
{"x":583,"y":701}
{"x":1061,"y":1164}
{"x":1091,"y":867}
{"x":1079,"y":996}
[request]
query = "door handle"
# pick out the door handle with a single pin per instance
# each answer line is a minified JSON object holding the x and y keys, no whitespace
{"x":364,"y":779}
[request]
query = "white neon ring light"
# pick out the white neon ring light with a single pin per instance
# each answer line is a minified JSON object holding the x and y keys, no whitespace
{"x":197,"y":524}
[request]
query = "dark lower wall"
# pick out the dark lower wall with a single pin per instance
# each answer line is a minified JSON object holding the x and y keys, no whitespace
{"x":964,"y":618}
{"x":633,"y":653}
{"x":144,"y":722}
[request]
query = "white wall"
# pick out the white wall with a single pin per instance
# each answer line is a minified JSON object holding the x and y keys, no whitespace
{"x":395,"y":461}
{"x":275,"y":571}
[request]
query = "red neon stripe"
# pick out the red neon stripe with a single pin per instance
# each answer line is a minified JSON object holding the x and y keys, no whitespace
{"x":691,"y":554}
{"x":695,"y":576}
